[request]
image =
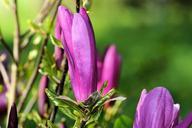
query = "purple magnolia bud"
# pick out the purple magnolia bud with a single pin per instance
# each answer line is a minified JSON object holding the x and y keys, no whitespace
{"x":3,"y":103}
{"x":110,"y":69}
{"x":79,"y":45}
{"x":13,"y":119}
{"x":3,"y":98}
{"x":58,"y":54}
{"x":42,"y":97}
{"x":156,"y":109}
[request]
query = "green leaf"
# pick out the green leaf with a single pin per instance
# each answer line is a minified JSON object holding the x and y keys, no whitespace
{"x":94,"y":117}
{"x":56,"y":42}
{"x":119,"y":98}
{"x":102,"y":101}
{"x":50,"y":124}
{"x":87,"y":4}
{"x":48,"y":67}
{"x":66,"y":101}
{"x":35,"y":117}
{"x":32,"y":54}
{"x":68,"y":112}
{"x":63,"y":103}
{"x":91,"y":101}
{"x":123,"y":122}
{"x":103,"y":87}
{"x":36,"y":27}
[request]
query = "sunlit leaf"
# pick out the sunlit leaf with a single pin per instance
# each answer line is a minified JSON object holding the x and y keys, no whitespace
{"x":50,"y":124}
{"x":87,"y":4}
{"x":68,"y":112}
{"x":56,"y":42}
{"x":64,"y":102}
{"x":102,"y":101}
{"x":119,"y":98}
{"x":48,"y":67}
{"x":33,"y":54}
{"x":36,"y":27}
{"x":35,"y":117}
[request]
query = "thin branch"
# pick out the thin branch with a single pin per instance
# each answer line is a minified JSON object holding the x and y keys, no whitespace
{"x":14,"y":66}
{"x":33,"y":76}
{"x":46,"y":8}
{"x":59,"y":91}
{"x":41,"y":16}
{"x":8,"y":49}
{"x":16,"y":44}
{"x":4,"y":74}
{"x":44,"y":11}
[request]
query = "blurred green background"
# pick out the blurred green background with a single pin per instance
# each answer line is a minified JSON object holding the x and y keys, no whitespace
{"x":154,"y":38}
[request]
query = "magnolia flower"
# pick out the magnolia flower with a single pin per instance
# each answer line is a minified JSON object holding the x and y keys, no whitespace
{"x":110,"y":69}
{"x":156,"y":109}
{"x":79,"y":44}
{"x":42,"y":98}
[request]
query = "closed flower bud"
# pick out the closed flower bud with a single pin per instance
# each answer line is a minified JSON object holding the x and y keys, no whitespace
{"x":79,"y":44}
{"x":42,"y":97}
{"x":110,"y":70}
{"x":58,"y":55}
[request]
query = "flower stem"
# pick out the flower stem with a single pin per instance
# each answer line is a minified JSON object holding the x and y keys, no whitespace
{"x":14,"y":67}
{"x":59,"y":90}
{"x":77,"y":5}
{"x":6,"y":46}
{"x":16,"y":43}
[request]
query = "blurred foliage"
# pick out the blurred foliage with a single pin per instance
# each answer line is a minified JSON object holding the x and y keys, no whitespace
{"x":153,"y":37}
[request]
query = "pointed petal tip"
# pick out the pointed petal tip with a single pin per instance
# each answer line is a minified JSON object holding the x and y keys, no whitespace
{"x":13,"y":119}
{"x":62,"y":8}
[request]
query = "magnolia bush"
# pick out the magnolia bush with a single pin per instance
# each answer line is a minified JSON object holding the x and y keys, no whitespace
{"x":77,"y":86}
